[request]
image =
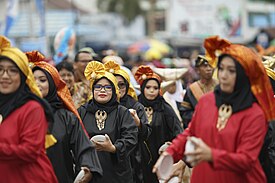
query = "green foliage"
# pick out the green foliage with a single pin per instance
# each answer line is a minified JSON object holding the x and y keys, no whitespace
{"x":129,"y":9}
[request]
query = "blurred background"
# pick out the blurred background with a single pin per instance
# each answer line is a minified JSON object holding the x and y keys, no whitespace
{"x":131,"y":27}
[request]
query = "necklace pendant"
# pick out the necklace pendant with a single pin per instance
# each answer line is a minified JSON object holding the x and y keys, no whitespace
{"x":149,"y":112}
{"x":225,"y":111}
{"x":100,"y":117}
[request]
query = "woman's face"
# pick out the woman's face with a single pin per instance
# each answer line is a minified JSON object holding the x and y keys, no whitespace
{"x":68,"y":77}
{"x":151,"y":89}
{"x":121,"y":86}
{"x":103,"y":91}
{"x":227,"y":74}
{"x":10,"y":79}
{"x":42,"y":82}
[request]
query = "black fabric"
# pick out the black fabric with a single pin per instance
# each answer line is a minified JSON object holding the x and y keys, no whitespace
{"x":52,"y":96}
{"x":10,"y":102}
{"x":241,"y":97}
{"x":165,"y":127}
{"x":272,"y":84}
{"x":72,"y":147}
{"x":123,"y":133}
{"x":107,"y":107}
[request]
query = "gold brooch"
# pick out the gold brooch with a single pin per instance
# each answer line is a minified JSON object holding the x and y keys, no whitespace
{"x":225,"y":111}
{"x":1,"y":118}
{"x":149,"y":112}
{"x":100,"y":117}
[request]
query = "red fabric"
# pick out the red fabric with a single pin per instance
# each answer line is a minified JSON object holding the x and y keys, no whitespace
{"x":22,"y":146}
{"x":235,"y":149}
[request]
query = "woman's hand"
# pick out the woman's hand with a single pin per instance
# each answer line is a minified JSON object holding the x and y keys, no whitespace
{"x":135,"y":116}
{"x":87,"y":175}
{"x":202,"y":152}
{"x":177,"y":171}
{"x":107,"y":145}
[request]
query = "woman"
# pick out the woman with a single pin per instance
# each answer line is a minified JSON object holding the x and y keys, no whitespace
{"x":231,"y":122}
{"x":103,"y":116}
{"x":162,"y":118}
{"x":129,"y":100}
{"x":79,"y":91}
{"x":23,"y":121}
{"x":73,"y":146}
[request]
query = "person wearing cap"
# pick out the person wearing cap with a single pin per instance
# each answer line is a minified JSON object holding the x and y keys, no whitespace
{"x":161,"y":116}
{"x":78,"y":90}
{"x":103,"y":115}
{"x":23,"y":121}
{"x":196,"y":90}
{"x":229,"y":124}
{"x":129,"y":100}
{"x":73,"y":149}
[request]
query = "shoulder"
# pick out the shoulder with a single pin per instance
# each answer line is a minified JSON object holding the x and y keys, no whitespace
{"x":32,"y":105}
{"x":255,"y":111}
{"x":138,"y":105}
{"x":122,"y":108}
{"x":208,"y":97}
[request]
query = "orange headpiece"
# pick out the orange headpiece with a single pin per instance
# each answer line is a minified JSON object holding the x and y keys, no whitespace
{"x":144,"y":73}
{"x":254,"y":69}
{"x":37,"y":60}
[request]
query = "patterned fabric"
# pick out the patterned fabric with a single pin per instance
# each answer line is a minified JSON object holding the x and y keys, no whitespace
{"x":254,"y":69}
{"x":81,"y":94}
{"x":114,"y":68}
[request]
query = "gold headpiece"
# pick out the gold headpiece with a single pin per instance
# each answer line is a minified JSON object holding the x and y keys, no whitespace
{"x":115,"y":69}
{"x":21,"y":60}
{"x":96,"y":70}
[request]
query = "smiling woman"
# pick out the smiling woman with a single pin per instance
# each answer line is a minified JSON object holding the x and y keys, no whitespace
{"x":103,"y":115}
{"x":23,"y":121}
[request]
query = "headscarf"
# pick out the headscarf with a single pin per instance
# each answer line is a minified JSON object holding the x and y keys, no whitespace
{"x":114,"y":68}
{"x":241,"y":97}
{"x":28,"y":89}
{"x":94,"y":72}
{"x":143,"y":75}
{"x":53,"y":76}
{"x":253,"y":67}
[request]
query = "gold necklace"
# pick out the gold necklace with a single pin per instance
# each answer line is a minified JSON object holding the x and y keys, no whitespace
{"x":100,"y":117}
{"x":225,"y":111}
{"x":149,"y":112}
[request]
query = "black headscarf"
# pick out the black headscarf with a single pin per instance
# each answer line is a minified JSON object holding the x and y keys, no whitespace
{"x":52,"y":96}
{"x":126,"y":100}
{"x":241,"y":97}
{"x":12,"y":101}
{"x":156,"y":103}
{"x":108,"y":107}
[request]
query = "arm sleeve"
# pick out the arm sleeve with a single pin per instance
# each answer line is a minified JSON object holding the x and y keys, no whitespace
{"x":32,"y":130}
{"x":248,"y":149}
{"x":177,"y":148}
{"x":145,"y":129}
{"x":84,"y":153}
{"x":128,"y":135}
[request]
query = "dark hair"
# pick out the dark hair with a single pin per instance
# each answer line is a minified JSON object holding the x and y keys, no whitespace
{"x":65,"y":65}
{"x":77,"y":54}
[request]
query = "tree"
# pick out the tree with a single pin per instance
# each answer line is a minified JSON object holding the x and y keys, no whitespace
{"x":129,"y":9}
